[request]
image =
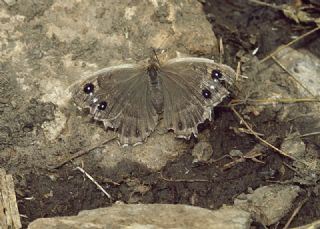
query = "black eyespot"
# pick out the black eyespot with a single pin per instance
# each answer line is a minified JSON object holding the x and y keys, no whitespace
{"x":216,"y":74}
{"x":102,"y":105}
{"x":180,"y":125}
{"x":88,"y":88}
{"x":206,"y":93}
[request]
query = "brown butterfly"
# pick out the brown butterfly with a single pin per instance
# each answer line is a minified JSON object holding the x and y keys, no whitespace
{"x":130,"y":98}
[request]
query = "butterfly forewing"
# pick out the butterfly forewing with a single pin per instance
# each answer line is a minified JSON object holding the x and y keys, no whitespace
{"x":128,"y":109}
{"x":106,"y":79}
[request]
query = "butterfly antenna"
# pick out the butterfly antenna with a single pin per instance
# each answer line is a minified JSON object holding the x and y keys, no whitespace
{"x":155,"y":54}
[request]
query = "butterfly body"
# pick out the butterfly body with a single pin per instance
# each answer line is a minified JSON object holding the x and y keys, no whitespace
{"x":130,"y":98}
{"x":155,"y":87}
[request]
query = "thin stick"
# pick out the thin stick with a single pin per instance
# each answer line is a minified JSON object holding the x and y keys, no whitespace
{"x":309,"y":134}
{"x":95,"y":182}
{"x":292,"y":76}
{"x":293,"y":169}
{"x":238,"y":70}
{"x":267,"y":101}
{"x":261,"y":139}
{"x":266,"y":4}
{"x":296,"y":211}
{"x":304,"y":135}
{"x":290,"y":43}
{"x":182,"y":180}
{"x":221,"y":51}
{"x":80,"y":153}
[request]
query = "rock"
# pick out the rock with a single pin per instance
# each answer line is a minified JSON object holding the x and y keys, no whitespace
{"x":235,"y":153}
{"x":158,"y":216}
{"x":202,"y":152}
{"x":268,"y":204}
{"x":49,"y":47}
{"x":10,"y":2}
{"x":304,"y":66}
{"x":294,"y":146}
{"x":306,"y":161}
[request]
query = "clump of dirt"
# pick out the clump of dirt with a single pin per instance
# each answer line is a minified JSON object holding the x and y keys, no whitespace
{"x":20,"y":121}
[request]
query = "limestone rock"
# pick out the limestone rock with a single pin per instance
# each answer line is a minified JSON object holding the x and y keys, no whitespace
{"x":157,"y":216}
{"x":268,"y":204}
{"x":48,"y":47}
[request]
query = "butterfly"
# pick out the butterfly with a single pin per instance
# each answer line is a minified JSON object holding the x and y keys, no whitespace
{"x":131,"y":98}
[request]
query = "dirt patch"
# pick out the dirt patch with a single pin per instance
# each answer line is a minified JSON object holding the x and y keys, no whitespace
{"x":45,"y":193}
{"x":67,"y":191}
{"x":246,"y":26}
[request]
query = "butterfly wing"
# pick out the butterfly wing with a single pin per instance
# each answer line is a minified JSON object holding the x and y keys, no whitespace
{"x":118,"y":96}
{"x":191,"y":88}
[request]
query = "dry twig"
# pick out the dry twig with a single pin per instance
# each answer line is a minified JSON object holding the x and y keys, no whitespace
{"x":304,"y":135}
{"x":252,"y":154}
{"x":288,"y":44}
{"x":221,"y":51}
{"x":266,"y":101}
{"x":292,"y":76}
{"x":182,"y":180}
{"x":93,"y":180}
{"x":296,"y":211}
{"x":80,"y":153}
{"x":261,"y":139}
{"x":293,"y":169}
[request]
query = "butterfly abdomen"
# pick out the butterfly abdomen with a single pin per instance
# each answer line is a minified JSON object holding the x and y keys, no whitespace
{"x":155,"y":88}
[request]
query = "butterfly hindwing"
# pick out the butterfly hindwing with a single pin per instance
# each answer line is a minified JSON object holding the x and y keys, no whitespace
{"x":190,"y":92}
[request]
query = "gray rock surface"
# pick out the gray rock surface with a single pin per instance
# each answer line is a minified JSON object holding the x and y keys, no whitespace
{"x":10,"y":2}
{"x":268,"y":204}
{"x":294,"y":146}
{"x":48,"y":47}
{"x":155,"y":216}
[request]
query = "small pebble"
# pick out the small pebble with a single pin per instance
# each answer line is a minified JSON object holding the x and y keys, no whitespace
{"x":235,"y":153}
{"x":202,"y":152}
